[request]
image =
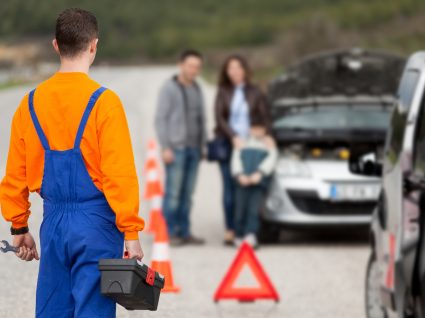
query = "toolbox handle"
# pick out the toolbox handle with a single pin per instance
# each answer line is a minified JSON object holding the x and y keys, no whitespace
{"x":150,"y":275}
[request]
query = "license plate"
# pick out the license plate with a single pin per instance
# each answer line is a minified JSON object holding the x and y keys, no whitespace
{"x":354,"y":192}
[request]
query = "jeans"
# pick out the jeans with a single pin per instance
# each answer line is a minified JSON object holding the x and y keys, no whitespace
{"x":180,"y":182}
{"x":247,"y":209}
{"x":228,"y":195}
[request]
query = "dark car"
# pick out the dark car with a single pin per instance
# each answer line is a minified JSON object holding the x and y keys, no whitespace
{"x":395,"y":284}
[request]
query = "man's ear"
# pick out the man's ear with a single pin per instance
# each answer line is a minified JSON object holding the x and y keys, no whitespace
{"x":55,"y":46}
{"x":93,"y":45}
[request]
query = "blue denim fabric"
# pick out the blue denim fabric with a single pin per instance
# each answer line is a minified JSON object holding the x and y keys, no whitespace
{"x":228,"y":195}
{"x":248,"y":202}
{"x":179,"y":186}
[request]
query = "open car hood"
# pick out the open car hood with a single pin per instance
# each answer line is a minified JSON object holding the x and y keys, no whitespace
{"x":346,"y":77}
{"x":343,"y":72}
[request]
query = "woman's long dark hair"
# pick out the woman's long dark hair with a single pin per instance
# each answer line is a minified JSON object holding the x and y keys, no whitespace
{"x":224,"y":81}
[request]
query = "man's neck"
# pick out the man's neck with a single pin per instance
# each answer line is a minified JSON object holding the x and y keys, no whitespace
{"x":184,"y":81}
{"x":80,"y":65}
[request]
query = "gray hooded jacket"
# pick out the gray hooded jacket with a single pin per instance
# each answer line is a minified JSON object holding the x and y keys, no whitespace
{"x":171,"y":120}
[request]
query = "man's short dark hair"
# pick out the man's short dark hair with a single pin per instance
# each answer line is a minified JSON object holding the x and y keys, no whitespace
{"x":75,"y":29}
{"x":188,"y":53}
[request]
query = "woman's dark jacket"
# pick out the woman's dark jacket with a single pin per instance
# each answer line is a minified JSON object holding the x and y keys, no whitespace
{"x":257,"y":104}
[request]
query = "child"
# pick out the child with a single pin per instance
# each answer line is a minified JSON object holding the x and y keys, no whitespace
{"x":252,"y":164}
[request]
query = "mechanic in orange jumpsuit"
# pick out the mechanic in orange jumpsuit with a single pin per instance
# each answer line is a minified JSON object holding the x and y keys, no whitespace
{"x":70,"y":143}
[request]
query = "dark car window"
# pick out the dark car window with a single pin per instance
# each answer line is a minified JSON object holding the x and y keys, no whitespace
{"x":407,"y":88}
{"x":419,"y":147}
{"x":336,"y":117}
{"x":405,"y":95}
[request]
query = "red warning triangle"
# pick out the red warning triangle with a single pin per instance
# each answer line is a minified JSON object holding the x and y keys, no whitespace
{"x":246,"y":258}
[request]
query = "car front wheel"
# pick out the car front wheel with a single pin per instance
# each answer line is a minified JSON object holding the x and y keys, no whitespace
{"x":374,"y":308}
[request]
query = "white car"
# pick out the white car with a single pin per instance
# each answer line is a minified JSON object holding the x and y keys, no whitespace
{"x":321,"y":107}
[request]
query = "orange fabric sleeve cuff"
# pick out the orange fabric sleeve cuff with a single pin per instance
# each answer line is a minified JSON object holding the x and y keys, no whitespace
{"x":131,"y":236}
{"x":16,"y":225}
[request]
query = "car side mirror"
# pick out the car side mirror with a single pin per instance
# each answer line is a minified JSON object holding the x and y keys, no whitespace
{"x":365,"y":163}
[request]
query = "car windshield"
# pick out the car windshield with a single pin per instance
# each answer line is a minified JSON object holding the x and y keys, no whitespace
{"x":335,"y":118}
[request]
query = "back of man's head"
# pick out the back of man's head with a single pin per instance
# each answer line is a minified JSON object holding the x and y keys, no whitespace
{"x":75,"y":29}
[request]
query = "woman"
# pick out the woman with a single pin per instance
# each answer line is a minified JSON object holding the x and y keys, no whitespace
{"x":237,"y":102}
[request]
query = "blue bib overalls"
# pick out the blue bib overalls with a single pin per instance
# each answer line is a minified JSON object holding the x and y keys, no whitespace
{"x":78,"y":229}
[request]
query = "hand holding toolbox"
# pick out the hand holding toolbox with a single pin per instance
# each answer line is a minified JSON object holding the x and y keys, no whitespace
{"x":133,"y":286}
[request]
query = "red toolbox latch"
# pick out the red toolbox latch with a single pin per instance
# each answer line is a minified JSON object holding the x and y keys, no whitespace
{"x":150,"y":276}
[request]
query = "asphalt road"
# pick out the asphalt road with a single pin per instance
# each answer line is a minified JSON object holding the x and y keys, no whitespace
{"x":320,"y":275}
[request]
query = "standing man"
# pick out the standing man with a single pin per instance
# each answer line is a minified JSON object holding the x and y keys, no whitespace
{"x":70,"y":142}
{"x":181,"y":128}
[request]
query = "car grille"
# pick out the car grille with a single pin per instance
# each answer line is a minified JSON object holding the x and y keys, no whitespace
{"x":309,"y":202}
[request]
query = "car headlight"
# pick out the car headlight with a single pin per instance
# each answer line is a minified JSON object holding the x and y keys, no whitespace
{"x":293,"y":168}
{"x":274,"y":203}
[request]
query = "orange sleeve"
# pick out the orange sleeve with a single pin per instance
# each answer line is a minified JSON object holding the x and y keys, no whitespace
{"x":119,"y":181}
{"x":14,"y":193}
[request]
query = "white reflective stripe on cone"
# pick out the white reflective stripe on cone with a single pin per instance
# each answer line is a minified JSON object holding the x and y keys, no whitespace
{"x":152,"y":175}
{"x":156,"y":202}
{"x":160,"y":252}
{"x":151,"y":153}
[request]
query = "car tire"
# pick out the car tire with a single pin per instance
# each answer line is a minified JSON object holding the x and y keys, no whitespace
{"x":268,"y":233}
{"x":372,"y":290}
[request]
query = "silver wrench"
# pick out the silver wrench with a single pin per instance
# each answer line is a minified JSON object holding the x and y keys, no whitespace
{"x":8,"y":248}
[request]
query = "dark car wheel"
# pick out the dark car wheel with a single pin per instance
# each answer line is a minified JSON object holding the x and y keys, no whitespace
{"x":372,"y":293}
{"x":269,"y":232}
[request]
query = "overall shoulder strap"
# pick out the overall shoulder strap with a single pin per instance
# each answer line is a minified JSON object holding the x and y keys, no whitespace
{"x":36,"y":123}
{"x":92,"y":101}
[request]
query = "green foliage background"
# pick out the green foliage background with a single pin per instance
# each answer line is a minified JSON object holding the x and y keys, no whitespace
{"x":158,"y":29}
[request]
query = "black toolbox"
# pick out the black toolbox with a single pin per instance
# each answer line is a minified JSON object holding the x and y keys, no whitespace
{"x":133,"y":286}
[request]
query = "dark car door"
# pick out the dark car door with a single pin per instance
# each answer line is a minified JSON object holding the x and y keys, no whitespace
{"x":414,"y":213}
{"x":398,"y":163}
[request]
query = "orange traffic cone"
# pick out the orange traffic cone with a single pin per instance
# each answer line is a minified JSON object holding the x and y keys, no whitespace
{"x":153,"y":190}
{"x":153,"y":180}
{"x":161,"y":258}
{"x":155,"y":214}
